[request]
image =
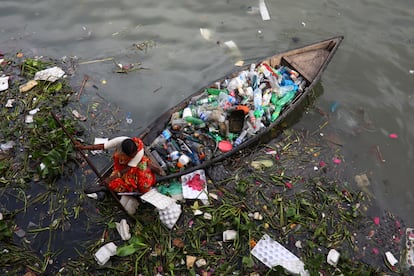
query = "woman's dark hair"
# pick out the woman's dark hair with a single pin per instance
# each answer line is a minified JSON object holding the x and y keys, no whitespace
{"x":129,"y":147}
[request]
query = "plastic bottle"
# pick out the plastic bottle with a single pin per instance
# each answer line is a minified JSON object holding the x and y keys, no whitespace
{"x":215,"y":91}
{"x":129,"y":118}
{"x":252,"y":118}
{"x":172,"y":151}
{"x":162,"y":138}
{"x":194,"y":120}
{"x":241,"y":137}
{"x":209,"y":99}
{"x":257,"y":98}
{"x":159,"y":159}
{"x":226,"y":101}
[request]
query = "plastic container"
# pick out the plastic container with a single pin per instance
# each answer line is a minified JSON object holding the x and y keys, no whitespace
{"x":183,"y":161}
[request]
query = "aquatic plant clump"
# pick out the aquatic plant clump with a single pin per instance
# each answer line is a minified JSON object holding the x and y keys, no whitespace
{"x":37,"y":147}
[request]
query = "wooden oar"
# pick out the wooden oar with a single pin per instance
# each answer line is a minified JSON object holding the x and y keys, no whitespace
{"x":86,"y":158}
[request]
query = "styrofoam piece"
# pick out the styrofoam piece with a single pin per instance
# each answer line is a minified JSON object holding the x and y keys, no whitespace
{"x":123,"y":229}
{"x":50,"y":74}
{"x":105,"y":252}
{"x":170,"y":215}
{"x":4,"y":83}
{"x":129,"y":203}
{"x":229,"y":235}
{"x":10,"y":103}
{"x":409,"y":243}
{"x":390,"y":258}
{"x":28,"y":119}
{"x":92,"y":195}
{"x":333,"y":257}
{"x":157,"y":199}
{"x":191,"y":193}
{"x":272,"y":254}
{"x":206,"y":33}
{"x":263,"y":10}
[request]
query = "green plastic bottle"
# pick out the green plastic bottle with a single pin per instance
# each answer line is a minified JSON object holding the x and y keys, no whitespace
{"x":193,"y":120}
{"x":215,"y":91}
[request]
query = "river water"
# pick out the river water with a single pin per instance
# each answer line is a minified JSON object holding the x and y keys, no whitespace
{"x":372,"y":72}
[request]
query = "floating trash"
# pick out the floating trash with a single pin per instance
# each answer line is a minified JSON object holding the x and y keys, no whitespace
{"x":104,"y":253}
{"x":206,"y":33}
{"x":51,"y":74}
{"x":263,"y":10}
{"x":4,"y":83}
{"x":333,"y":257}
{"x":27,"y":86}
{"x":393,"y":135}
{"x":123,"y":229}
{"x":272,"y":254}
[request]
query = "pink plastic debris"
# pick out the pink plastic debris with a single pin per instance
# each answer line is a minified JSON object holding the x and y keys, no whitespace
{"x":337,"y":160}
{"x":393,"y":135}
{"x":376,"y":220}
{"x":375,"y":250}
{"x":322,"y":164}
{"x":397,"y":224}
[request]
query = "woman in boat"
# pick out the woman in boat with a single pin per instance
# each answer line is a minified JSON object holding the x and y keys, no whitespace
{"x":132,"y":170}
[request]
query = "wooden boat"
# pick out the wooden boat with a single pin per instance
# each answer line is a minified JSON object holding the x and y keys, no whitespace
{"x":183,"y":133}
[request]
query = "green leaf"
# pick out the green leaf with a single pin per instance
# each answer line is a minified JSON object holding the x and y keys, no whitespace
{"x":126,"y":250}
{"x":137,"y":241}
{"x":248,"y":261}
{"x":290,"y":212}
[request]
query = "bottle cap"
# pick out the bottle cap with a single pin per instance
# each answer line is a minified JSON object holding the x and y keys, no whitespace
{"x":225,"y":146}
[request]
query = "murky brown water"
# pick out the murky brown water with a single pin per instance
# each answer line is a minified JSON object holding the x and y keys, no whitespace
{"x":371,"y":73}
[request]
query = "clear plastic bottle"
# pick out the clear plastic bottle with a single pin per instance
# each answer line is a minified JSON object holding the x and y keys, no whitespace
{"x":159,"y":159}
{"x":161,"y":139}
{"x":226,"y":101}
{"x":257,"y":98}
{"x":241,"y":137}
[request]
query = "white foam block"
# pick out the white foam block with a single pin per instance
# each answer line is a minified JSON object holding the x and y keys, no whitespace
{"x":170,"y":215}
{"x":272,"y":254}
{"x":157,"y":199}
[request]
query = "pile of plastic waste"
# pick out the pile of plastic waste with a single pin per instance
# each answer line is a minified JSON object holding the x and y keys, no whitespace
{"x":226,"y":115}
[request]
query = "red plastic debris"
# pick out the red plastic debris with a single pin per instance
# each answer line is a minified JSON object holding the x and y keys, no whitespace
{"x":393,"y":135}
{"x":196,"y":183}
{"x":289,"y":185}
{"x":376,"y":220}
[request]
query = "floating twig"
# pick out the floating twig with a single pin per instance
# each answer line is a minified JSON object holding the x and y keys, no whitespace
{"x":381,"y":158}
{"x":85,"y":79}
{"x":96,"y":60}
